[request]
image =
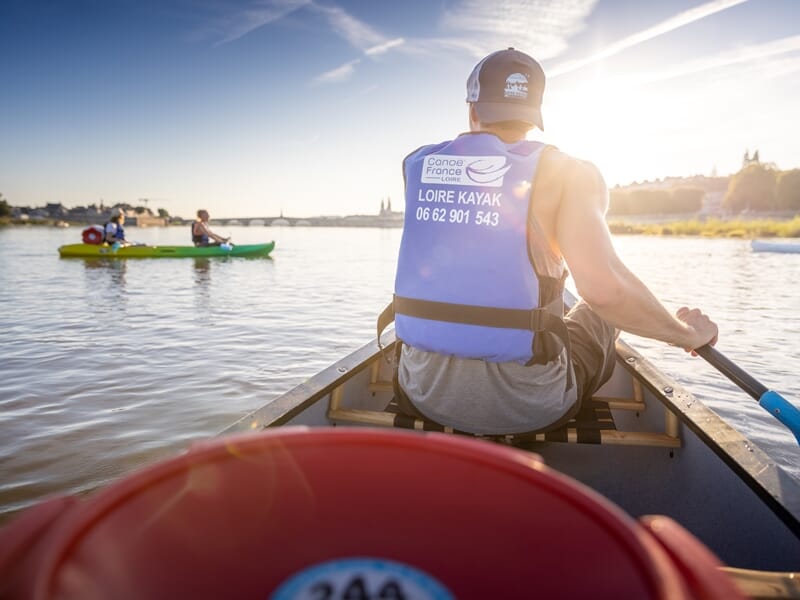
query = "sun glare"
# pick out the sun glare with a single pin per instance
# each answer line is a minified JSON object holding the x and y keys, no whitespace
{"x":615,"y":125}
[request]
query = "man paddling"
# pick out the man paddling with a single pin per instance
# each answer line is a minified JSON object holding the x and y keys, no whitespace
{"x":490,"y":221}
{"x":202,"y":234}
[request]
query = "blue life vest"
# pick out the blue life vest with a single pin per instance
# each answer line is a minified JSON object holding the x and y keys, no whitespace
{"x":119,"y":234}
{"x":465,"y":283}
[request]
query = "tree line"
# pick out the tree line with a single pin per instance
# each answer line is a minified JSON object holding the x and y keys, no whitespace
{"x":762,"y":187}
{"x":757,"y":187}
{"x":650,"y":201}
{"x":7,"y":210}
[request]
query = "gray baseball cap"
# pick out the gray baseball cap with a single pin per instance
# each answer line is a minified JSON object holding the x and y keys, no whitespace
{"x":507,"y":85}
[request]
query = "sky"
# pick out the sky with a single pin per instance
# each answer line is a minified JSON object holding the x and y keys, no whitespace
{"x":252,"y":108}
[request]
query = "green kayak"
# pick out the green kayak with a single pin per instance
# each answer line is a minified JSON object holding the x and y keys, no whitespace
{"x":104,"y":250}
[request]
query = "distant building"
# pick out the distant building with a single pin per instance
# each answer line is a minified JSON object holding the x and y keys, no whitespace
{"x":750,"y":160}
{"x":56,"y":210}
{"x":387,"y":216}
{"x":280,"y":221}
{"x":145,"y":220}
{"x":712,"y":203}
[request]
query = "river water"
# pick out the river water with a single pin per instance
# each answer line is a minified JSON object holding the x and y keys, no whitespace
{"x":106,"y":366}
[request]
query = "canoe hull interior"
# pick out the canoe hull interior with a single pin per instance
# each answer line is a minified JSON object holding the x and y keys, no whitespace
{"x":105,"y":251}
{"x":717,"y":484}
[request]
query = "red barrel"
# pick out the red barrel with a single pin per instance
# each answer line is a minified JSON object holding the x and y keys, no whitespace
{"x":93,"y":234}
{"x":360,"y":513}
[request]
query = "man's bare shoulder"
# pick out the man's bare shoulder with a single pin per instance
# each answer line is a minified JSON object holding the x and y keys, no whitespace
{"x":555,"y":162}
{"x":570,"y":181}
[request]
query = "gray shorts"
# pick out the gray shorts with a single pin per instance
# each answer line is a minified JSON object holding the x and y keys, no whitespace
{"x":464,"y":393}
{"x":593,"y":354}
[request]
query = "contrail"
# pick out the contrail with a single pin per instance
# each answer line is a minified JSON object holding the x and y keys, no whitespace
{"x":684,"y":18}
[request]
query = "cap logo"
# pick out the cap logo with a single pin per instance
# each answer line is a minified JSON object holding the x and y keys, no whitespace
{"x":516,"y":86}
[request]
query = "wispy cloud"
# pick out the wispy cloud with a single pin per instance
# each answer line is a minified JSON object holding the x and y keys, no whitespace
{"x":679,"y":20}
{"x":355,"y":32}
{"x":541,"y":27}
{"x":384,"y":47}
{"x":338,"y":74}
{"x":253,"y":15}
{"x":358,"y":34}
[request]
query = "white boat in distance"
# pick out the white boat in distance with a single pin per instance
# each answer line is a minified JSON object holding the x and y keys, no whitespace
{"x":782,"y":247}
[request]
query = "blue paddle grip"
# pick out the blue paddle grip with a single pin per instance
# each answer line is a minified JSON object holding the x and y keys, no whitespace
{"x":780,"y":408}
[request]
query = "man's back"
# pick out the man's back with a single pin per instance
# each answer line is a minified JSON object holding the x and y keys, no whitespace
{"x":564,"y":223}
{"x":487,"y":396}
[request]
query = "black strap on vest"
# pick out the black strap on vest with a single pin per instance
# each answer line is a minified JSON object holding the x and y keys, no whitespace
{"x":536,"y":320}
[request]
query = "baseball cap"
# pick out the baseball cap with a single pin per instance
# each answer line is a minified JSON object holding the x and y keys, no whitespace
{"x":507,"y":85}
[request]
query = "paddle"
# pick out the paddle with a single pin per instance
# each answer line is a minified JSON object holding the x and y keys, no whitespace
{"x":772,"y":402}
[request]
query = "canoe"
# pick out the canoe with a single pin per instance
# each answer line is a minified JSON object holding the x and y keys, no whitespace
{"x":651,"y":448}
{"x":325,"y":491}
{"x":106,"y":251}
{"x":782,"y":247}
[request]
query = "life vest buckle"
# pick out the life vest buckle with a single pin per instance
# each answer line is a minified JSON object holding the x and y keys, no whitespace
{"x":537,"y":319}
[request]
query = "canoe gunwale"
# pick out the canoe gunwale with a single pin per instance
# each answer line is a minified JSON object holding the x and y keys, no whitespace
{"x":749,"y":462}
{"x":287,"y":406}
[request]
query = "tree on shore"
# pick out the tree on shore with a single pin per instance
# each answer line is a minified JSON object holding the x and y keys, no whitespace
{"x":687,"y":200}
{"x":752,"y":188}
{"x":5,"y":207}
{"x":788,"y":192}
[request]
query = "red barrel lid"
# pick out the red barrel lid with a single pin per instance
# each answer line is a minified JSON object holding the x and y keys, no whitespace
{"x":353,"y":513}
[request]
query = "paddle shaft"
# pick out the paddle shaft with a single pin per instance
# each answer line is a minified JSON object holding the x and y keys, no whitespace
{"x":732,"y":371}
{"x":772,"y":402}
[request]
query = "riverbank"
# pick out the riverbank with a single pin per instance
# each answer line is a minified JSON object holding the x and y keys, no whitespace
{"x":735,"y":228}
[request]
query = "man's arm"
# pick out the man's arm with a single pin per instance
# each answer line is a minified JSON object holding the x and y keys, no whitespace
{"x":212,"y":235}
{"x":204,"y":228}
{"x":603,"y":281}
{"x":216,"y":237}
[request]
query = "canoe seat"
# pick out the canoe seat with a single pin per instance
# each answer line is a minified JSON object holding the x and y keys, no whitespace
{"x":593,"y":424}
{"x":585,"y":428}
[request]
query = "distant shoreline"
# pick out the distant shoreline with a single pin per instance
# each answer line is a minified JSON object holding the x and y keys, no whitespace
{"x":740,"y":227}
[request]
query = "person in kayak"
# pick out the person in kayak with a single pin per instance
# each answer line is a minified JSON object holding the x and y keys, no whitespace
{"x":115,"y":230}
{"x":492,"y":221}
{"x":202,"y":234}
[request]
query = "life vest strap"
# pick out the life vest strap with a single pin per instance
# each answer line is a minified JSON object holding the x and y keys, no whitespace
{"x":506,"y":318}
{"x":536,"y":320}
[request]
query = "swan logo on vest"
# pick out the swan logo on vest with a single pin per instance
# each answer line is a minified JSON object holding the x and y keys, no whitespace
{"x":452,"y":169}
{"x":516,"y":86}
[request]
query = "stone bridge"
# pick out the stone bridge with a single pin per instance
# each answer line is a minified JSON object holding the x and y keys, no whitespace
{"x":393,"y":220}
